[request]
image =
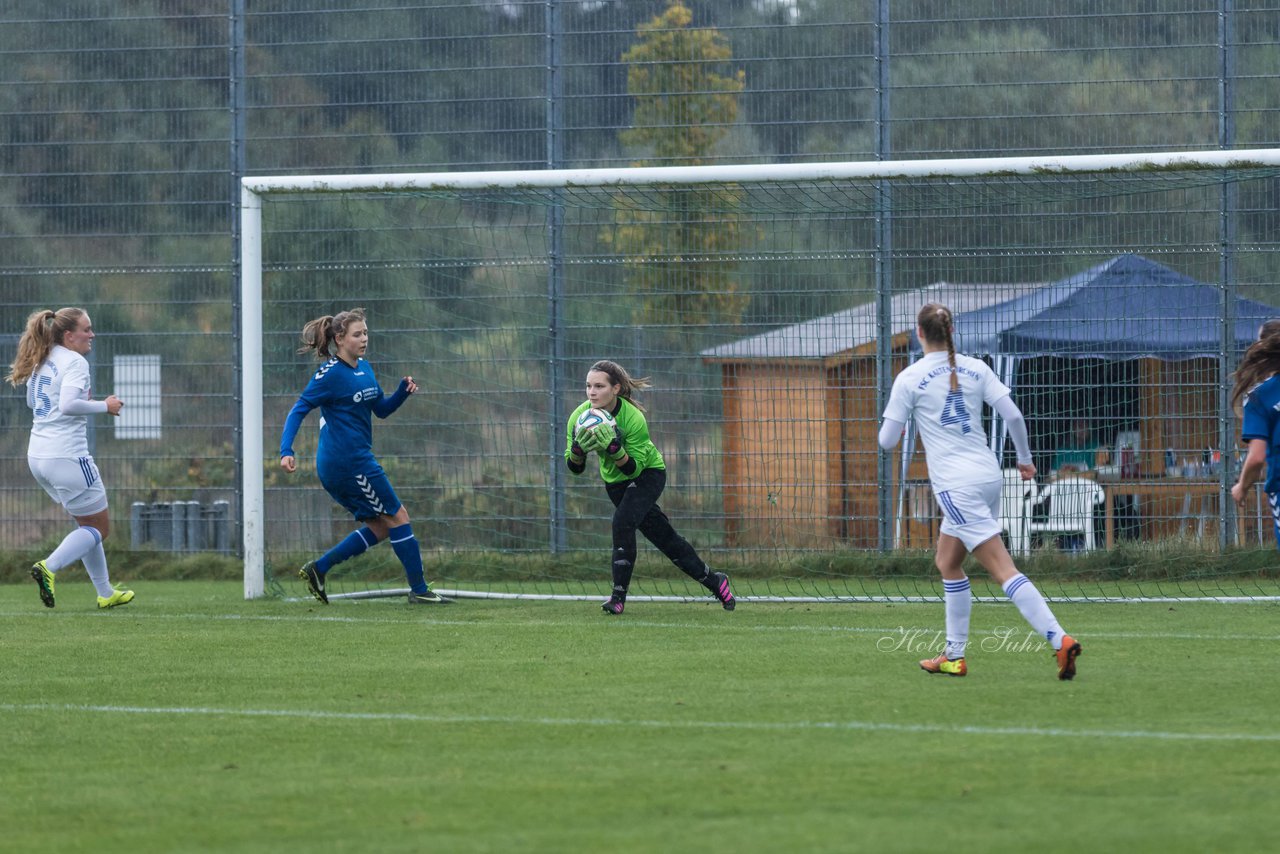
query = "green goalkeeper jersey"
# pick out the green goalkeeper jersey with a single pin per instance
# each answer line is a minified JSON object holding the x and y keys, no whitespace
{"x":635,"y":437}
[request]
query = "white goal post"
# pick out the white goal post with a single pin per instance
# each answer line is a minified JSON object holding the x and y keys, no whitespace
{"x":254,"y":189}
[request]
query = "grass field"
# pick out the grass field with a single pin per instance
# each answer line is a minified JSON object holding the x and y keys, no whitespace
{"x":192,"y":720}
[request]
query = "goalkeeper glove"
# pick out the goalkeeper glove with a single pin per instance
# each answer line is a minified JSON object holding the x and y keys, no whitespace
{"x":585,"y":439}
{"x":614,"y":447}
{"x":617,"y":453}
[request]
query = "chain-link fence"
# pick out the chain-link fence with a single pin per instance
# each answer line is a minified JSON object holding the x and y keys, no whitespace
{"x":129,"y":124}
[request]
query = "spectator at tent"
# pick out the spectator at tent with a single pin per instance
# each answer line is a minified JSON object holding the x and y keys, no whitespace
{"x":1079,"y":452}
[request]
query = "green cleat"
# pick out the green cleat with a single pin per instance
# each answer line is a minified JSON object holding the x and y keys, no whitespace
{"x":118,"y":597}
{"x":314,"y":581}
{"x":429,"y":598}
{"x":942,"y":664}
{"x":44,"y":578}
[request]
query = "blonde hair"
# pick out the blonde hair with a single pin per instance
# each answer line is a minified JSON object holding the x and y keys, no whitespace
{"x":935,"y":322}
{"x":321,"y":334}
{"x":44,"y":329}
{"x":618,"y":376}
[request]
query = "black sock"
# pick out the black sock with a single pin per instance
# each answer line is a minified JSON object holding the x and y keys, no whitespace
{"x":697,"y":570}
{"x":622,"y":569}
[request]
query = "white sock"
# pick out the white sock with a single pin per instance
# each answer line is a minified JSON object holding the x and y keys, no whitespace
{"x":73,"y":547}
{"x":1034,"y":609}
{"x":95,"y":562}
{"x":959,"y":603}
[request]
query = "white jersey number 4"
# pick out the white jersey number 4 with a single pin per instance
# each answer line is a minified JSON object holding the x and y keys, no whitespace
{"x":955,"y":412}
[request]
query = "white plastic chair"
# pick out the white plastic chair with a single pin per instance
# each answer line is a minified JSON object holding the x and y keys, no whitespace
{"x":1071,"y":503}
{"x":1016,"y":501}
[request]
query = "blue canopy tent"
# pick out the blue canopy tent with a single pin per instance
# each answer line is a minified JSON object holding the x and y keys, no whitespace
{"x":1127,"y":308}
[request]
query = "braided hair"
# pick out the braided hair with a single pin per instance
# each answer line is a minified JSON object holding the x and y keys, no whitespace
{"x":935,"y":322}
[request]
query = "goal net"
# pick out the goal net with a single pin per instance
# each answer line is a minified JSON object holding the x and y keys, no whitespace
{"x":771,"y":307}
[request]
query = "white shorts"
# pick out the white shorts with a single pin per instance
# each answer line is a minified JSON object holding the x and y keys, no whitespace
{"x":971,"y":513}
{"x":73,"y":483}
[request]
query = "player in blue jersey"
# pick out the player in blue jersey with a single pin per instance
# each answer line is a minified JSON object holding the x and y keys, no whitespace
{"x":1258,"y":384}
{"x":346,"y":392}
{"x":944,"y":393}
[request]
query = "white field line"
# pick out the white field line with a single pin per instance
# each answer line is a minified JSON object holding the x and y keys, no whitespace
{"x":615,"y":624}
{"x":801,"y":600}
{"x":617,"y":723}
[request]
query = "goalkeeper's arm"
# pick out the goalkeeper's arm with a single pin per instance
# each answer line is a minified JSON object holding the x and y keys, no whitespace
{"x":575,"y":456}
{"x":617,"y":451}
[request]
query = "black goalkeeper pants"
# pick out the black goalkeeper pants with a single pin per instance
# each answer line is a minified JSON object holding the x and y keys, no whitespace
{"x":636,"y":509}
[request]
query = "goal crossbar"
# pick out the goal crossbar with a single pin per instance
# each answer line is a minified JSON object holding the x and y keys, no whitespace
{"x":765,"y":172}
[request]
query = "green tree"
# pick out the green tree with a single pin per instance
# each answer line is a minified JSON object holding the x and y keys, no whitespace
{"x":683,"y":105}
{"x":679,"y":242}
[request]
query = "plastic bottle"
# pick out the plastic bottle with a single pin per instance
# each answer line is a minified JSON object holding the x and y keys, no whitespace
{"x":1127,"y":465}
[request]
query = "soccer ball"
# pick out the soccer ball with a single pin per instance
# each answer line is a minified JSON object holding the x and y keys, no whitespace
{"x":595,"y":419}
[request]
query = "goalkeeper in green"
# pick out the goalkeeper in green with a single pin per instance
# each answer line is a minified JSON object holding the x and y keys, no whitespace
{"x":634,"y":475}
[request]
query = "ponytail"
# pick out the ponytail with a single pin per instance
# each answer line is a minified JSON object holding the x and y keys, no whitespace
{"x":627,"y":384}
{"x":43,"y":330}
{"x":951,"y":349}
{"x":935,"y":322}
{"x":1259,"y":362}
{"x":321,"y":334}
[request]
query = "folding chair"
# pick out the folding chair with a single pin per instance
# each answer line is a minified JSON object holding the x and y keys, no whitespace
{"x":1015,"y":510}
{"x":1071,"y":504}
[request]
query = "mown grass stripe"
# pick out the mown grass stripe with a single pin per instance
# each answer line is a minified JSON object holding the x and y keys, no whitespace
{"x":771,"y":726}
{"x":616,"y":625}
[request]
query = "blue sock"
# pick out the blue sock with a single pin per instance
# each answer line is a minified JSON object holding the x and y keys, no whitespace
{"x":405,"y":545}
{"x":357,"y":542}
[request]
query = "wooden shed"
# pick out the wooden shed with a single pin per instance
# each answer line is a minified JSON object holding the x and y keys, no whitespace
{"x":801,"y":419}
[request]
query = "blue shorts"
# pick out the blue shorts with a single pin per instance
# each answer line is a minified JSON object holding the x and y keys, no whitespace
{"x":365,"y":495}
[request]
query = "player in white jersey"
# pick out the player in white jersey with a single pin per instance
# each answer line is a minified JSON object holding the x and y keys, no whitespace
{"x":51,"y":363}
{"x":944,"y":393}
